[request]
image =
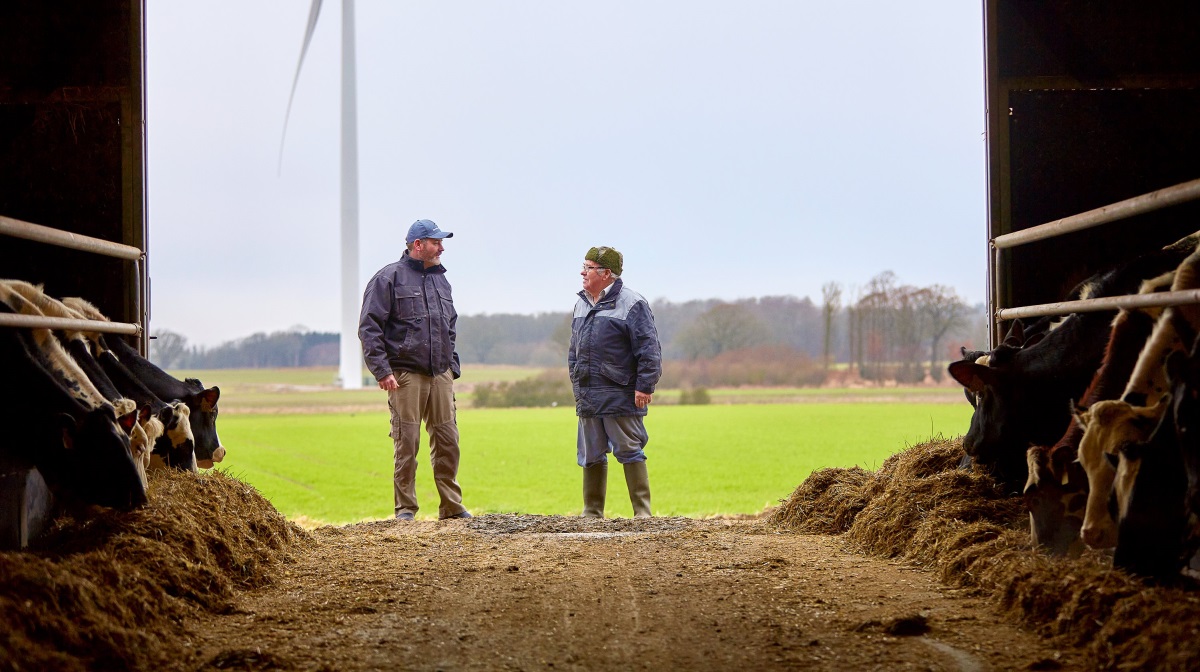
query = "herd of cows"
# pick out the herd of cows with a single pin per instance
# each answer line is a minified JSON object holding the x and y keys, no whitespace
{"x":90,"y":412}
{"x":1096,"y":419}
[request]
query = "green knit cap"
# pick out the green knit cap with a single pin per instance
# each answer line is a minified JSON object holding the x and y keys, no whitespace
{"x":606,"y":257}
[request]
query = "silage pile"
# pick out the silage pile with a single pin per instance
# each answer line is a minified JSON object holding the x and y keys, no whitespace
{"x":920,"y":507}
{"x":111,"y":590}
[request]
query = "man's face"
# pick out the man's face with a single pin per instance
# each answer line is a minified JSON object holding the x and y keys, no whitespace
{"x":595,"y":278}
{"x":428,"y":250}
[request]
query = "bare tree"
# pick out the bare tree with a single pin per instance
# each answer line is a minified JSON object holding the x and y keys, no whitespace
{"x":909,"y":332}
{"x":945,"y":312}
{"x":876,"y":320}
{"x":831,"y":302}
{"x":167,"y":348}
{"x":723,"y":327}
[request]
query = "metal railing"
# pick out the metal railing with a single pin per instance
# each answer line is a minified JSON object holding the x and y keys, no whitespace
{"x":1138,"y":205}
{"x":16,"y":228}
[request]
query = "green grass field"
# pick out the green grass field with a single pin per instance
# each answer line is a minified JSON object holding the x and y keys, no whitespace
{"x":703,"y":460}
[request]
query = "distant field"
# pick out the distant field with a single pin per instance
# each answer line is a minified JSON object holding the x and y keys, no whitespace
{"x":311,"y":390}
{"x":703,"y":460}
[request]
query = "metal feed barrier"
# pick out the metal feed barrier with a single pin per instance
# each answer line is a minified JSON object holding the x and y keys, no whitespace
{"x":16,"y":228}
{"x":1138,"y":205}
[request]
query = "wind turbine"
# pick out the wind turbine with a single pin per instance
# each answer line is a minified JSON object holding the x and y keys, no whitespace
{"x":350,"y":354}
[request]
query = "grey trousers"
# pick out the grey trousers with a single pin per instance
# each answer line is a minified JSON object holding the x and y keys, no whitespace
{"x":428,"y":399}
{"x":624,"y":436}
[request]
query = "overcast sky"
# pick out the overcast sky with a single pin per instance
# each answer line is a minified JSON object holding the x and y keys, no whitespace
{"x":729,"y":149}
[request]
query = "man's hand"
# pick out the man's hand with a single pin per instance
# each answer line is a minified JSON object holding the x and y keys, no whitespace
{"x":389,"y":383}
{"x":641,"y":399}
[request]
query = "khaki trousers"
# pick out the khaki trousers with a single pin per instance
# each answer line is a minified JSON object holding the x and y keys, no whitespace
{"x":428,"y":399}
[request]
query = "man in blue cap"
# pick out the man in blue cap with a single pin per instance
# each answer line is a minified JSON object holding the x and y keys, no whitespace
{"x":407,"y":330}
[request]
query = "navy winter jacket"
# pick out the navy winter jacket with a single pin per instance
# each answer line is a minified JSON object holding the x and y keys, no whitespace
{"x":614,"y":351}
{"x":408,"y":320}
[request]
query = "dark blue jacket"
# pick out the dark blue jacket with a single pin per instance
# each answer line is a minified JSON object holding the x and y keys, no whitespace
{"x":614,"y":351}
{"x":408,"y":320}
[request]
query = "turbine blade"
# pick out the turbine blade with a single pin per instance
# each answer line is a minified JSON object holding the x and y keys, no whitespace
{"x":313,"y":12}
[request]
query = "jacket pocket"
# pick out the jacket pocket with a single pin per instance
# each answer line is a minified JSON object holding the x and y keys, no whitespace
{"x":409,"y":302}
{"x":616,"y":374}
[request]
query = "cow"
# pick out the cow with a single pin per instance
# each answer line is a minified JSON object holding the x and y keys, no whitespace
{"x":1022,"y":395}
{"x":201,"y":402}
{"x":82,"y":452}
{"x":160,"y":421}
{"x":1057,"y":487}
{"x":1132,"y":419}
{"x":176,"y":444}
{"x":1150,"y":487}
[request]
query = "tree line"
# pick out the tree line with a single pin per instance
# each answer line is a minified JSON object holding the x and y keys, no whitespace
{"x":883,"y":330}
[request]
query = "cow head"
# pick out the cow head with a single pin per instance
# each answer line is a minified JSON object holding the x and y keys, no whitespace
{"x":203,"y":403}
{"x":1150,"y":486}
{"x":176,"y":446}
{"x":1108,"y":427}
{"x":99,"y":468}
{"x":1010,"y":414}
{"x":1055,"y":496}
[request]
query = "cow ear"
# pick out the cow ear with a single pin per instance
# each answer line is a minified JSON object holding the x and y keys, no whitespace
{"x":164,"y":415}
{"x":144,"y":414}
{"x":128,"y":420}
{"x":1145,"y":423}
{"x":963,"y":350}
{"x":1035,"y":339}
{"x":209,"y":397}
{"x":1016,"y":334}
{"x":1080,"y":415}
{"x":972,"y":376}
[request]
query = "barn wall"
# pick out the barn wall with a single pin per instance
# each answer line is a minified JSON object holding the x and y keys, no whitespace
{"x":71,"y":144}
{"x":1088,"y":104}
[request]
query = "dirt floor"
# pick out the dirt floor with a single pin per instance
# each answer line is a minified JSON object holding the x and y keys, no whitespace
{"x":504,"y":592}
{"x":916,"y":565}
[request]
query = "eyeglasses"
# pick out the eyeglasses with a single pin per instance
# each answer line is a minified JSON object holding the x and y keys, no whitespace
{"x":587,"y":268}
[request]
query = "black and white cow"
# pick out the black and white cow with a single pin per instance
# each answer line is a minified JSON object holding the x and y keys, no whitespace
{"x":176,"y":446}
{"x":154,"y":417}
{"x":201,"y":401}
{"x":82,"y":452}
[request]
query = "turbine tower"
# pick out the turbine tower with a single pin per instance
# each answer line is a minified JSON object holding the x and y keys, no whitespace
{"x":350,"y":354}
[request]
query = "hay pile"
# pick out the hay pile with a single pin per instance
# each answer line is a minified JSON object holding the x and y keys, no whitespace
{"x":111,"y":590}
{"x":919,"y":507}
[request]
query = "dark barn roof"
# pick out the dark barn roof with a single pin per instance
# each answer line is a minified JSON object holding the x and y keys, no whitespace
{"x":72,"y":145}
{"x":1088,"y":104}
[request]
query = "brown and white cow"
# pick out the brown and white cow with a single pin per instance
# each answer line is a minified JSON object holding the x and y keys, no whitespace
{"x":1057,"y":489}
{"x":1132,"y":420}
{"x":201,"y":401}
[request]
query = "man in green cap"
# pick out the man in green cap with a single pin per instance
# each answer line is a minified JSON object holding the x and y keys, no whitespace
{"x":615,"y":361}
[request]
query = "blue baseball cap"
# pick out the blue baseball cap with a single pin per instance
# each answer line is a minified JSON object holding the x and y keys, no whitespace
{"x":425,"y":228}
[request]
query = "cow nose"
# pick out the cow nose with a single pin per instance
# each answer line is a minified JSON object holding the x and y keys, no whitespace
{"x":1097,"y":536}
